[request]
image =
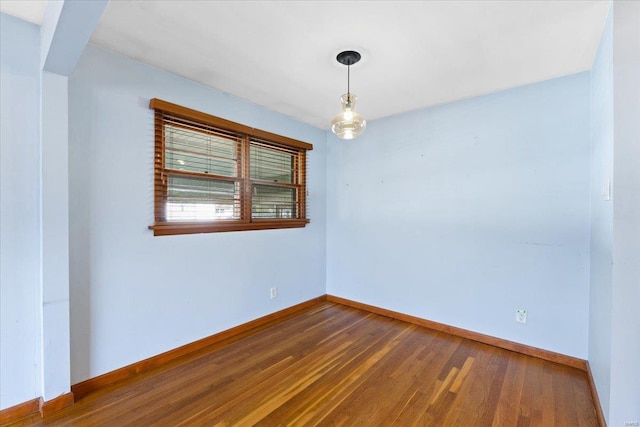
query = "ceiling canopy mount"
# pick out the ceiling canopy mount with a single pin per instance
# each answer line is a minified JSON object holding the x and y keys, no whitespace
{"x":348,"y":57}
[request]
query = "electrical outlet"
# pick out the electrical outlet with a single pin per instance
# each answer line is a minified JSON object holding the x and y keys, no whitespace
{"x":521,"y":316}
{"x":273,"y":292}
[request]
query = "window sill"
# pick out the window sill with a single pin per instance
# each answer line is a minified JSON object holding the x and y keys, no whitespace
{"x":173,"y":228}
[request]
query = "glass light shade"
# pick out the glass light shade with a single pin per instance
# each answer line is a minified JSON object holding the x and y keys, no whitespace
{"x":348,"y":124}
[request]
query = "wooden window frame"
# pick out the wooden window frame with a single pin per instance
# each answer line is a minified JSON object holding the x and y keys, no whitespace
{"x":246,"y":135}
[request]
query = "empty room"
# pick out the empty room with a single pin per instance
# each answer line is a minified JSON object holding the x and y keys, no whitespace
{"x":355,"y":213}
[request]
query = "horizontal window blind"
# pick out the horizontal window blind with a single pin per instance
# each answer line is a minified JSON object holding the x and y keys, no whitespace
{"x":219,"y":178}
{"x":197,"y":151}
{"x":197,"y":199}
{"x":274,"y":202}
{"x":272,"y":164}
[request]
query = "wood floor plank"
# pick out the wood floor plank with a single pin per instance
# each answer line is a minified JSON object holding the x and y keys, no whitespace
{"x":507,"y":412}
{"x":337,"y":365}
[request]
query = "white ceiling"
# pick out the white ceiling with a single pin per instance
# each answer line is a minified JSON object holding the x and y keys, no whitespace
{"x":29,"y":10}
{"x":281,"y":54}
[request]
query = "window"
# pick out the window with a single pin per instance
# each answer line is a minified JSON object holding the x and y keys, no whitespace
{"x":214,"y":175}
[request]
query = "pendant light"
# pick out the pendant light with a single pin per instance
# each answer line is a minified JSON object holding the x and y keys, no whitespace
{"x":348,"y":124}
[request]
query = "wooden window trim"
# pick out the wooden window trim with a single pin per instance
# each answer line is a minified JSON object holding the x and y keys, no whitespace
{"x":208,"y":119}
{"x":247,"y":134}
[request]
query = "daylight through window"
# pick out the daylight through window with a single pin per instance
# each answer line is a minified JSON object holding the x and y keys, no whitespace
{"x":215,"y":175}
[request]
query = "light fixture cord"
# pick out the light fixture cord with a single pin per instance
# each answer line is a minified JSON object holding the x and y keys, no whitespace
{"x":348,"y":78}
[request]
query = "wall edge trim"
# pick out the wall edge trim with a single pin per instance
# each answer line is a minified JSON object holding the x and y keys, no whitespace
{"x":21,"y":410}
{"x":83,"y":388}
{"x":36,"y":406}
{"x":596,"y":399}
{"x":528,"y":350}
{"x":56,"y":404}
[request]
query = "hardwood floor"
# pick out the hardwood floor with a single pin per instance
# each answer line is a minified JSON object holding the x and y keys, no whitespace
{"x":335,"y":365}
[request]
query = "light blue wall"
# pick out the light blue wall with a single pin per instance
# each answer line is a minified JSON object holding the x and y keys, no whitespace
{"x":134,"y":295}
{"x":20,"y":247}
{"x":464,"y":213}
{"x":614,"y":327}
{"x":625,"y":296}
{"x":601,"y":215}
{"x":54,"y":162}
